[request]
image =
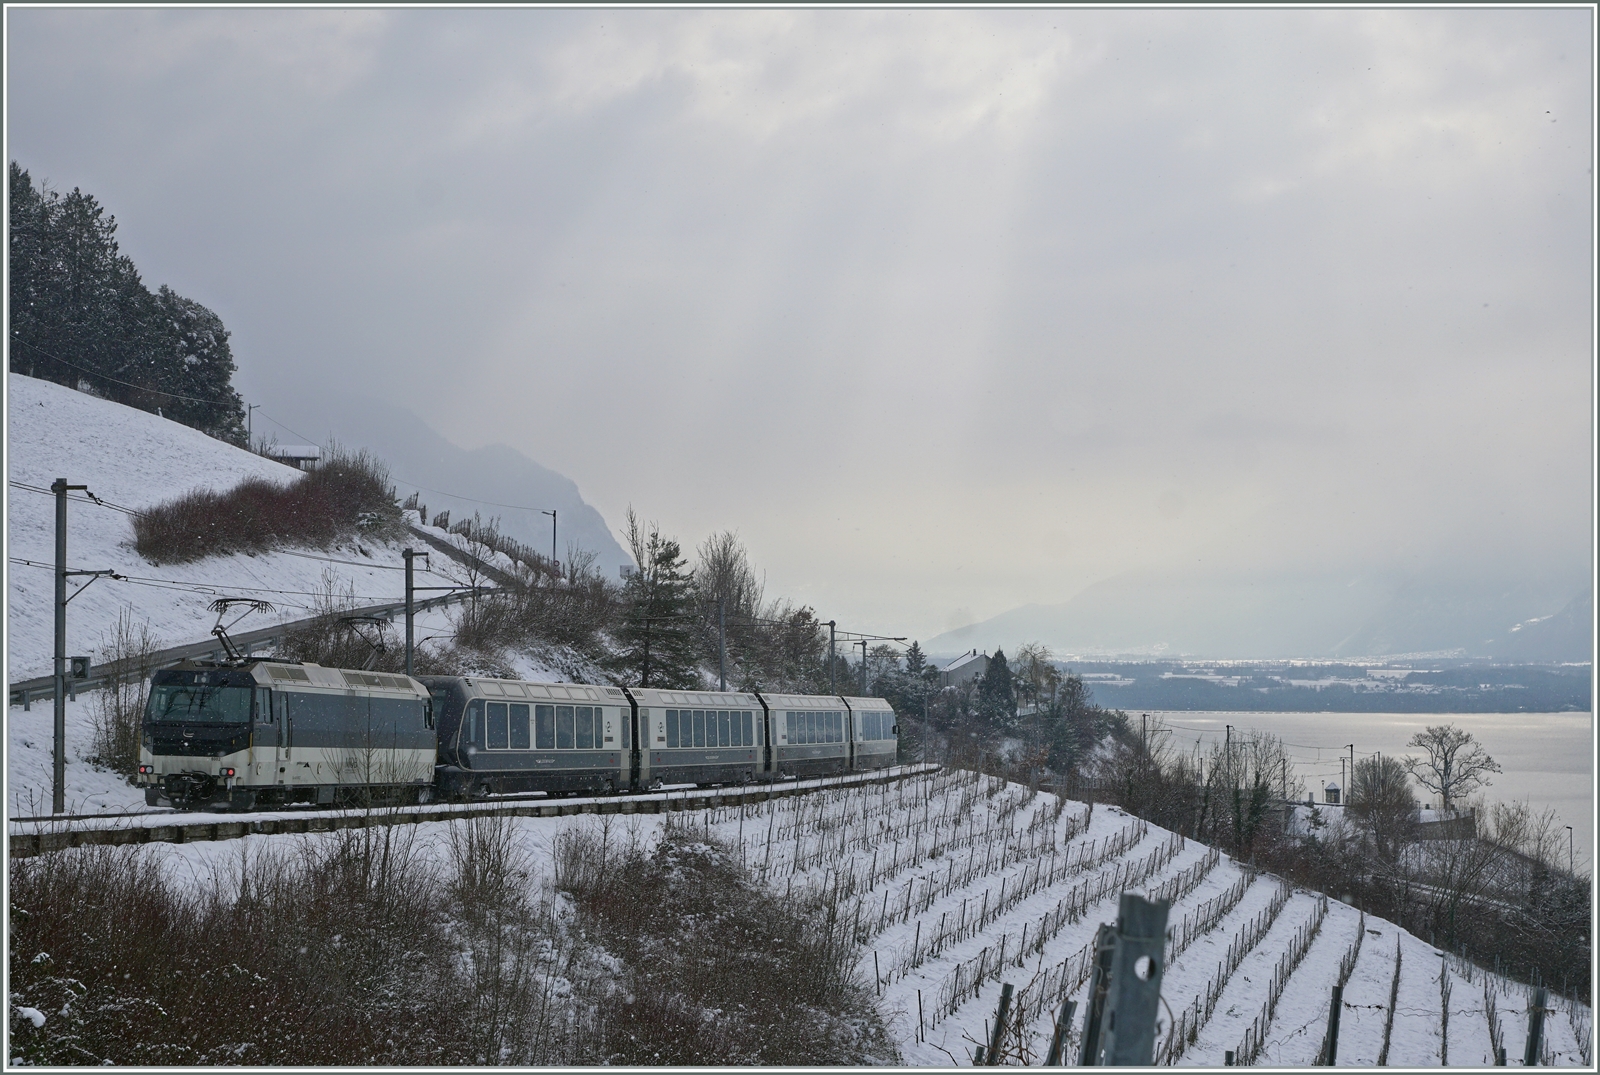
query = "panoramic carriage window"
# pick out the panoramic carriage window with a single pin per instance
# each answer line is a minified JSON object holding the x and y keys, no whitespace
{"x":497,"y":726}
{"x":564,"y":721}
{"x":544,"y":727}
{"x":761,"y":729}
{"x":585,"y":728}
{"x":472,"y":727}
{"x":700,"y":728}
{"x":869,"y":725}
{"x":836,"y":722}
{"x":724,"y":729}
{"x":519,"y":726}
{"x":744,"y":726}
{"x":672,"y":728}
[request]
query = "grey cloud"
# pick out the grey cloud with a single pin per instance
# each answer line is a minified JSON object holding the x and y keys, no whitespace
{"x":896,"y":293}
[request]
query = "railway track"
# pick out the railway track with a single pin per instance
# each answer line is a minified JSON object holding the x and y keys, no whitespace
{"x":35,"y":836}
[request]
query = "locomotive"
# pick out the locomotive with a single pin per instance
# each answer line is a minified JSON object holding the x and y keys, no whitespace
{"x":264,"y":732}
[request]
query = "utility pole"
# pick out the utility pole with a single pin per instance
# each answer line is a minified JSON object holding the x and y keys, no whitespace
{"x":722,"y":644}
{"x":249,"y":426}
{"x":553,"y":560}
{"x":411,"y":608}
{"x":863,"y":645}
{"x":832,"y":628}
{"x":1570,"y":867}
{"x":58,"y":789}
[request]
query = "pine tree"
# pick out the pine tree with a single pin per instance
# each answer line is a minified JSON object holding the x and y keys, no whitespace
{"x":916,"y":660}
{"x":657,"y":634}
{"x":996,"y":703}
{"x":81,"y":316}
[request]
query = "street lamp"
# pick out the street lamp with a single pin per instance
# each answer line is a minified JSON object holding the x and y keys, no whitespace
{"x":552,"y":515}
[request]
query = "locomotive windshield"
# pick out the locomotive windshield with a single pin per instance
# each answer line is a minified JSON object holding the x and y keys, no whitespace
{"x":185,"y":702}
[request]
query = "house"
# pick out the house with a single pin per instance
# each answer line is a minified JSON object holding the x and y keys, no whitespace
{"x":964,"y":669}
{"x":301,"y":456}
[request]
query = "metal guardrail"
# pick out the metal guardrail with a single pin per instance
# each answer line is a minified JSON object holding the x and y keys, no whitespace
{"x":39,"y":837}
{"x":25,"y":692}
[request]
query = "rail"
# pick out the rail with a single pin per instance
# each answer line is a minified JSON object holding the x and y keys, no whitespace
{"x":35,"y":837}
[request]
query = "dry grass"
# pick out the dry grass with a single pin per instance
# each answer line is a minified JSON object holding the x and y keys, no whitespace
{"x":350,"y":491}
{"x":353,"y":949}
{"x":126,"y":660}
{"x":711,"y":968}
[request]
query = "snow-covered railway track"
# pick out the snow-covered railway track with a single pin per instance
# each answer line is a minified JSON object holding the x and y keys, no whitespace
{"x":37,"y":836}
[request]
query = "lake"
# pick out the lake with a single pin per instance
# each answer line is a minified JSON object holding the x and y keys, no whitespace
{"x":1547,"y":758}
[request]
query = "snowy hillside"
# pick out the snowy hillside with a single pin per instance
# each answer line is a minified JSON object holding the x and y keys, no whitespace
{"x":134,"y":460}
{"x":131,"y":460}
{"x":955,"y":883}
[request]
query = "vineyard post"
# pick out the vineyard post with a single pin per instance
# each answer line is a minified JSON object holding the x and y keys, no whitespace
{"x":1057,"y":1040}
{"x":1130,"y":967}
{"x":1530,"y":1055}
{"x":992,"y":1058}
{"x":1331,"y":1050}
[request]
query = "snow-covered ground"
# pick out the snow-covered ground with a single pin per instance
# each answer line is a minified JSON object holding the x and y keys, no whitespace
{"x":132,"y":459}
{"x":956,"y":884}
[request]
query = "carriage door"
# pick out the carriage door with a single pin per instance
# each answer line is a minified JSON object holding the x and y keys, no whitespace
{"x":263,"y":762}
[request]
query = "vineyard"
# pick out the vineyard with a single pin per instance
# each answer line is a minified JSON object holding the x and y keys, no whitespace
{"x":956,"y":883}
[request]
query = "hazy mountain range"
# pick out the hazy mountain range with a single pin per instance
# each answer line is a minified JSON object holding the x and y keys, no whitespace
{"x":1165,"y":616}
{"x":496,"y":481}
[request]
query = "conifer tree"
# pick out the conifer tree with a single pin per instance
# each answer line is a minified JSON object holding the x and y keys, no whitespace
{"x":996,"y":703}
{"x":81,"y":316}
{"x":657,"y":635}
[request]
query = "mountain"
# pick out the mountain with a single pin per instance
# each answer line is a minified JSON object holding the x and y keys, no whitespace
{"x":496,"y":481}
{"x":1152,"y":615}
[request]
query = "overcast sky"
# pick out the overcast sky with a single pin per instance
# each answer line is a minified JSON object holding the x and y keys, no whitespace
{"x":943,"y":311}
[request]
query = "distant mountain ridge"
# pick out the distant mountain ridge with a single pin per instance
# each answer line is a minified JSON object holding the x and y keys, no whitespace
{"x":1155,"y":616}
{"x":496,"y":481}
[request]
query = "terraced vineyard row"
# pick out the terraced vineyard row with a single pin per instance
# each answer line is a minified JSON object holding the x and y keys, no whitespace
{"x":955,"y":883}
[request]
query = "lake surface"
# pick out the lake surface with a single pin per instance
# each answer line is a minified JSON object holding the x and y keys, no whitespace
{"x":1547,"y":758}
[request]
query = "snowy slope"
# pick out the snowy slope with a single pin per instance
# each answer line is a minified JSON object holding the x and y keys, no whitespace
{"x":909,"y":861}
{"x":133,"y":459}
{"x":130,"y":458}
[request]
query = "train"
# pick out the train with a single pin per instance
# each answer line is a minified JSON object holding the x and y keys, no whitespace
{"x":263,"y":732}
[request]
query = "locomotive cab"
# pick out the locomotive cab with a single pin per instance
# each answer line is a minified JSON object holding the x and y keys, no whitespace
{"x":259,"y":732}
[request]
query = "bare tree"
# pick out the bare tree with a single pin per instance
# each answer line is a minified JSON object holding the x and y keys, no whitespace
{"x":1034,"y":673}
{"x":1382,"y":802}
{"x":1455,"y":764}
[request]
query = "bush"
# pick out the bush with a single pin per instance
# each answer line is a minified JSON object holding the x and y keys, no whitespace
{"x":711,"y":968}
{"x":349,"y":492}
{"x":126,"y":661}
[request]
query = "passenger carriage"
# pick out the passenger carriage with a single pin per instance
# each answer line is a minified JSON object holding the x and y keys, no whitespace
{"x":269,"y":732}
{"x":498,"y":735}
{"x":810,"y":734}
{"x":700,"y":737}
{"x":875,"y":733}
